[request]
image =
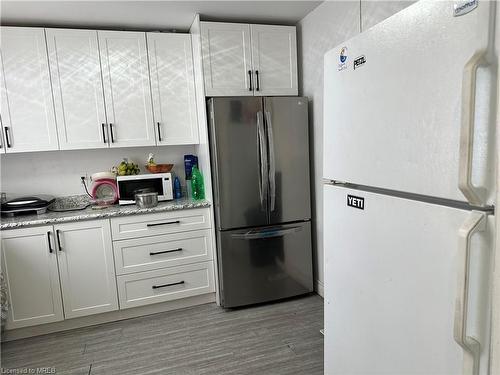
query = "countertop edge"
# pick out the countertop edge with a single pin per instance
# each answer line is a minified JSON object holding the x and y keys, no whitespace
{"x":86,"y":215}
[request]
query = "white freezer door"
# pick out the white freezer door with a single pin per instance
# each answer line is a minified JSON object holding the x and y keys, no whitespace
{"x":395,"y":121}
{"x":391,"y":286}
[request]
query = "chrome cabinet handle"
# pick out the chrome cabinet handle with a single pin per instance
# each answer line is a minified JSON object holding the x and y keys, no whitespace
{"x":166,"y":223}
{"x":258,"y":80}
{"x":7,"y":138}
{"x":165,"y":285}
{"x":50,"y":245}
{"x":250,"y":80}
{"x":58,"y":239}
{"x":104,"y":132}
{"x":112,"y":135}
{"x":165,"y":251}
{"x":159,"y":131}
{"x":476,"y":222}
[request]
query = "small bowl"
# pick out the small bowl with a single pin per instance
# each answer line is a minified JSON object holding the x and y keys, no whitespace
{"x":146,"y":200}
{"x":159,"y":168}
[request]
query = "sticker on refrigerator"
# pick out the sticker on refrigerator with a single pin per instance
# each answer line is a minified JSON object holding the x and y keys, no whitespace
{"x":463,"y":7}
{"x":359,"y":61}
{"x":343,"y":59}
{"x":356,"y":202}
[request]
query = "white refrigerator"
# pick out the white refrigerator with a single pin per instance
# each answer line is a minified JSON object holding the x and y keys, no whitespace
{"x":409,"y":193}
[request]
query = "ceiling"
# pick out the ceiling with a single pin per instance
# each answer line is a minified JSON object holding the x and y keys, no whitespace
{"x":149,"y":15}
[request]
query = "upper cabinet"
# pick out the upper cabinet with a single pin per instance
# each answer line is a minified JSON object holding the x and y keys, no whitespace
{"x":173,"y":90}
{"x":67,"y":89}
{"x":274,"y":56}
{"x":127,"y":91}
{"x":27,"y":109}
{"x":77,"y":87}
{"x":227,"y":59}
{"x":249,"y":60}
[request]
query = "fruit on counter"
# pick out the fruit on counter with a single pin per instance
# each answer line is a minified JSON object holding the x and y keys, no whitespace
{"x":126,"y":168}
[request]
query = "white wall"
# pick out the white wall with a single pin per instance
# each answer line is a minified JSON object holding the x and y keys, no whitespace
{"x":58,"y":172}
{"x":325,"y":27}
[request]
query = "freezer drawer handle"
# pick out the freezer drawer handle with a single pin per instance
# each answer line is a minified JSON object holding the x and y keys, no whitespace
{"x":166,"y":223}
{"x":476,"y":222}
{"x":251,"y":235}
{"x":165,"y":251}
{"x":165,"y":285}
{"x":475,"y":195}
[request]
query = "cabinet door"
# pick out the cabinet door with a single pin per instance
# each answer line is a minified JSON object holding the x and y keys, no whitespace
{"x":274,"y":55}
{"x":227,"y":59}
{"x":86,"y":267}
{"x":77,"y":87}
{"x":26,"y":96}
{"x":127,"y":90}
{"x":29,"y":264}
{"x":172,"y":85}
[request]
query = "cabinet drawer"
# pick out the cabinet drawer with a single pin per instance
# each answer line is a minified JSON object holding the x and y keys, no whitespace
{"x":151,"y":253}
{"x":160,"y":223}
{"x":163,"y":285}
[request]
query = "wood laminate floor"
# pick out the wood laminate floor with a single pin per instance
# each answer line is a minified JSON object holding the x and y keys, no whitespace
{"x":276,"y":338}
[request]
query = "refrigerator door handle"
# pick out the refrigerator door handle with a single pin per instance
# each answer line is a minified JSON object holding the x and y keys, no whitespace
{"x":475,"y":195}
{"x":261,"y":141}
{"x":476,"y":222}
{"x":272,"y":164}
{"x":252,"y":235}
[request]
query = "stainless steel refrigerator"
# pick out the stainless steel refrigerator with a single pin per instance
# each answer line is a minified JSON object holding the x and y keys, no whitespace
{"x":260,"y":166}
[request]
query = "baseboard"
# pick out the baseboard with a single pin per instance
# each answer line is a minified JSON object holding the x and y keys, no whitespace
{"x":319,"y":288}
{"x":108,"y":317}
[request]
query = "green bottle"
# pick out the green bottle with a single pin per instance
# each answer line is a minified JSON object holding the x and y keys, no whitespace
{"x":197,"y":185}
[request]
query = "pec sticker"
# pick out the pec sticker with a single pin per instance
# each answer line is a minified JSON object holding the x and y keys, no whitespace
{"x":356,"y":202}
{"x":463,"y":7}
{"x":359,"y":61}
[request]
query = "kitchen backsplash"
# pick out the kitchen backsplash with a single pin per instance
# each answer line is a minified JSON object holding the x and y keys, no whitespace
{"x":58,"y":172}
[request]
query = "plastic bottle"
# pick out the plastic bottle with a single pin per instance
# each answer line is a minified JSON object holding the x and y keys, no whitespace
{"x":197,"y":184}
{"x":177,"y":188}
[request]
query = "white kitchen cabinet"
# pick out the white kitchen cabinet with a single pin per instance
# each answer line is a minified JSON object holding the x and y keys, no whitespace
{"x":242,"y":59}
{"x":227,"y":59}
{"x":144,"y":288}
{"x":172,"y":85}
{"x":274,"y":56}
{"x":29,"y":264}
{"x":77,"y":87}
{"x":86,"y":267}
{"x":27,"y":108}
{"x":127,"y":92}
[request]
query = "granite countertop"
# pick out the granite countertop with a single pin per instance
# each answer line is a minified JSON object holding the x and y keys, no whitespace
{"x":89,"y":213}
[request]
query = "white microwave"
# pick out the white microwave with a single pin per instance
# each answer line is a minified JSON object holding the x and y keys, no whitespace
{"x":128,"y":186}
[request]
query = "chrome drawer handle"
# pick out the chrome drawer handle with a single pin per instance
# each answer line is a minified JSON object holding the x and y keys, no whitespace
{"x":167,"y":223}
{"x":166,"y":251}
{"x":165,"y":285}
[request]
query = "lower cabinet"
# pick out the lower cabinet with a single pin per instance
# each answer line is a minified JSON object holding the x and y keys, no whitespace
{"x":71,"y":270}
{"x":86,"y":268}
{"x":144,"y":288}
{"x":29,"y":264}
{"x":51,"y":267}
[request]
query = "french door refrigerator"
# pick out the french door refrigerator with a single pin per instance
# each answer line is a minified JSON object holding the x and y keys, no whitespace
{"x":409,"y":193}
{"x":260,"y":167}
